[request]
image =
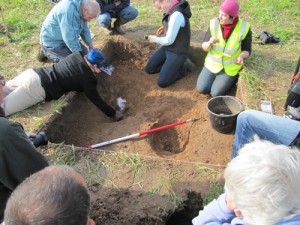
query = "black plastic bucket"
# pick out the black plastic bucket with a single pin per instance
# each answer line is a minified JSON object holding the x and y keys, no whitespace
{"x":223,"y":112}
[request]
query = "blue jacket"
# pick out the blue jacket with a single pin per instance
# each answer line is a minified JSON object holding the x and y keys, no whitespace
{"x":63,"y":26}
{"x":217,"y":213}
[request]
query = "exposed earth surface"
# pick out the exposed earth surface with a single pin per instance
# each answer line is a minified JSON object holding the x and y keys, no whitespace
{"x":156,"y":179}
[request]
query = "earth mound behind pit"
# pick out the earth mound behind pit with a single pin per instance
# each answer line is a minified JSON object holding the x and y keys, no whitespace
{"x":149,"y":106}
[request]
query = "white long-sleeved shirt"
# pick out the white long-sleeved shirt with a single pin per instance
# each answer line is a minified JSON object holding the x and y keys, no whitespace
{"x":176,"y":21}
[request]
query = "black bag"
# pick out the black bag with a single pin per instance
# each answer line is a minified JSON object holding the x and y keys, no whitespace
{"x":267,"y":38}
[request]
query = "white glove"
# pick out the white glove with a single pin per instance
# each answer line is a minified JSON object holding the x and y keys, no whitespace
{"x":118,"y":116}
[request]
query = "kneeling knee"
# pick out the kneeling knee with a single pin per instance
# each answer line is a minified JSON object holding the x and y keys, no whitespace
{"x":163,"y":84}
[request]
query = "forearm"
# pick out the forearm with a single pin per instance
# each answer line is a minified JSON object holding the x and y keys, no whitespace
{"x":176,"y":21}
{"x":94,"y":97}
{"x":86,"y":36}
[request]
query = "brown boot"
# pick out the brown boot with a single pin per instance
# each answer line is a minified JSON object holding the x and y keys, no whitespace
{"x":117,"y":25}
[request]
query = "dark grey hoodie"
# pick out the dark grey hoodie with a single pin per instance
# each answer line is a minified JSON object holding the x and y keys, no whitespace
{"x":183,"y":38}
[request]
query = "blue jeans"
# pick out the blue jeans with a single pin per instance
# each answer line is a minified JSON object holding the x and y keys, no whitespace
{"x":168,"y":64}
{"x":269,"y":127}
{"x":215,"y":84}
{"x":127,"y":14}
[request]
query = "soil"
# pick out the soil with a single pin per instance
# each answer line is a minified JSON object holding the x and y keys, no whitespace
{"x":181,"y":148}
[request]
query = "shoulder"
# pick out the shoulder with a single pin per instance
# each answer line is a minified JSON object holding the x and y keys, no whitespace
{"x":4,"y":123}
{"x":7,"y":126}
{"x":74,"y":58}
{"x":177,"y":15}
{"x":67,"y":7}
{"x":247,"y":24}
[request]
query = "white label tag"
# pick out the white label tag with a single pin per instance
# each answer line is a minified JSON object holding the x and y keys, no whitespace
{"x":266,"y":106}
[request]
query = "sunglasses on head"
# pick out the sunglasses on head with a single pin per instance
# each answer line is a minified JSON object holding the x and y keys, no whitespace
{"x":2,"y":82}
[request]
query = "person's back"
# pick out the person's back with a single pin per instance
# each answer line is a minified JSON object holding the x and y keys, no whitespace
{"x":51,"y":33}
{"x":69,"y":74}
{"x":18,"y":156}
{"x":56,"y":195}
{"x":18,"y":159}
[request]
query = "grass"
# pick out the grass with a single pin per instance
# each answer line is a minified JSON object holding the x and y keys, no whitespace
{"x":64,"y":155}
{"x":58,"y":105}
{"x":266,"y":74}
{"x":24,"y":19}
{"x":215,"y":190}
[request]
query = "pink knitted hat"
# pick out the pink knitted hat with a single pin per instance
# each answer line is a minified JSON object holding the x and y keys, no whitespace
{"x":230,"y":7}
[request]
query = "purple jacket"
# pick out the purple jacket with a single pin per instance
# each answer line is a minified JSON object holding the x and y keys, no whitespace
{"x":217,"y":213}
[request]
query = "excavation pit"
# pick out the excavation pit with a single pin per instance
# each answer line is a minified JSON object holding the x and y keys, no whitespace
{"x":179,"y":149}
{"x":82,"y":124}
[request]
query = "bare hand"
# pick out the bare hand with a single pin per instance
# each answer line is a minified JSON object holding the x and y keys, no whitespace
{"x":117,"y":3}
{"x":160,"y":31}
{"x":239,"y":60}
{"x":96,"y":68}
{"x":213,"y":40}
{"x":31,"y":135}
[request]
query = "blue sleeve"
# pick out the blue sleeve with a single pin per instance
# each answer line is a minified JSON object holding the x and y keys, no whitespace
{"x":86,"y":35}
{"x":215,"y":213}
{"x":69,"y":24}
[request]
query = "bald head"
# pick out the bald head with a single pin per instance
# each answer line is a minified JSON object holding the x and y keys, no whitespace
{"x":90,"y":9}
{"x":54,"y":195}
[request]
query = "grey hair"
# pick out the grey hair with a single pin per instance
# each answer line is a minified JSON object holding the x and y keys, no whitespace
{"x":263,"y":181}
{"x":52,"y":196}
{"x":91,"y":6}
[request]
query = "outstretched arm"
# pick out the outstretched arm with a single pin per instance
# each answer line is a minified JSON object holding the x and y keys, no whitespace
{"x":90,"y":90}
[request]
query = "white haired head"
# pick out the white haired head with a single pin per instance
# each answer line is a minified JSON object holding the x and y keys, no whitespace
{"x":264,"y":182}
{"x":90,"y":9}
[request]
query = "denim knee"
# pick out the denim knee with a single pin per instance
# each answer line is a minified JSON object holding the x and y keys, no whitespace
{"x":104,"y":21}
{"x":215,"y":93}
{"x":163,"y":84}
{"x":202,"y":89}
{"x":129,"y":13}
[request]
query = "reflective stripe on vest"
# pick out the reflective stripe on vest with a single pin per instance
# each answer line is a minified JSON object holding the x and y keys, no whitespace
{"x":218,"y":56}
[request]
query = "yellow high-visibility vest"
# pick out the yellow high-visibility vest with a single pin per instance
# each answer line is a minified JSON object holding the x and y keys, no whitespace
{"x":218,"y":56}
